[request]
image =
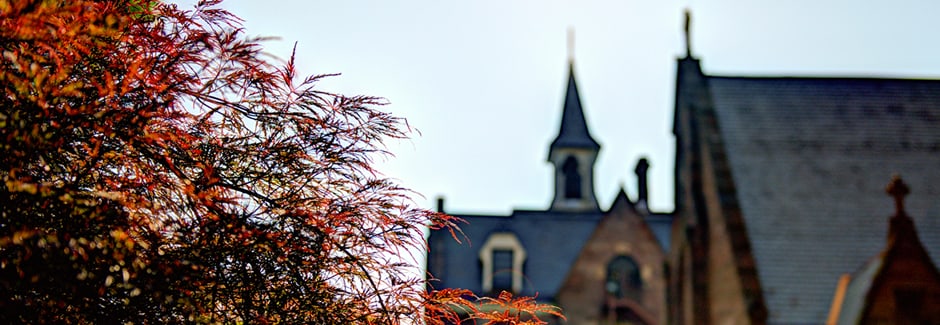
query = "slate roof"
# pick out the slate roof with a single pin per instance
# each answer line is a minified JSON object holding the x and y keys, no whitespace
{"x":809,"y":157}
{"x":552,"y":241}
{"x":574,"y":131}
{"x":900,"y":259}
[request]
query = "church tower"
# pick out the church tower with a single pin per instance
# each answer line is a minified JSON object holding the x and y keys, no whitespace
{"x":573,"y":154}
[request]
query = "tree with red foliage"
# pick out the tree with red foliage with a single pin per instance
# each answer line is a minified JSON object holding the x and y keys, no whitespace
{"x":155,"y":169}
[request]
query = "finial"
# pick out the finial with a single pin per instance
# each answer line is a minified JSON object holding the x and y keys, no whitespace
{"x":898,"y":190}
{"x":688,"y":33}
{"x":570,"y":43}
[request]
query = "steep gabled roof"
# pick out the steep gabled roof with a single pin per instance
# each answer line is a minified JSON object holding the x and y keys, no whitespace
{"x":805,"y":156}
{"x":722,"y":253}
{"x":574,"y":130}
{"x":904,"y":260}
{"x":622,"y":231}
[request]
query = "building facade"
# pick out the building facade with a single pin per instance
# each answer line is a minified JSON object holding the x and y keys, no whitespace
{"x":597,"y":263}
{"x":779,"y":188}
{"x":780,"y":208}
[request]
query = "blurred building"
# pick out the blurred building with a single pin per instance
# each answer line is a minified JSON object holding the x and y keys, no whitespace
{"x":781,"y":215}
{"x":596,"y":263}
{"x":780,"y":191}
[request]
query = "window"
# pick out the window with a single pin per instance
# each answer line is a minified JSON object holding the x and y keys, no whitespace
{"x":623,"y":278}
{"x":502,"y":257}
{"x":572,"y":178}
{"x":502,"y":270}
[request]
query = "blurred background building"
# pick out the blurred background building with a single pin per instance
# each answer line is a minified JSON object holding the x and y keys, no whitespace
{"x":781,"y":215}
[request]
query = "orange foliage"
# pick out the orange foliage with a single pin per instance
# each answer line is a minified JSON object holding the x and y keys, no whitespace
{"x":456,"y":306}
{"x":156,"y":170}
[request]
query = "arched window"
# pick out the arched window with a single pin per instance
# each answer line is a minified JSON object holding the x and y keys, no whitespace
{"x":623,"y":278}
{"x":572,"y":178}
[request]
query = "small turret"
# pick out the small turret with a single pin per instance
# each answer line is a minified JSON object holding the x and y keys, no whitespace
{"x":573,"y":153}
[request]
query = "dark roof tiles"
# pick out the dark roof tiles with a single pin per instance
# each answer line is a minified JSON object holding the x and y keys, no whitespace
{"x":809,"y":157}
{"x":552,"y":241}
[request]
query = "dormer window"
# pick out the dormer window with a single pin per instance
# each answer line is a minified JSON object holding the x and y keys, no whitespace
{"x":623,"y":278}
{"x":502,"y":257}
{"x":502,"y":270}
{"x":572,"y":178}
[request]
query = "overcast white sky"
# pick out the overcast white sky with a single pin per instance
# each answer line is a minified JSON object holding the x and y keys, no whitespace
{"x":483,"y":80}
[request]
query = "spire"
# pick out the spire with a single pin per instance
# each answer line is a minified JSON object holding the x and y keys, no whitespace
{"x":688,"y":33}
{"x":573,"y":153}
{"x":574,"y":131}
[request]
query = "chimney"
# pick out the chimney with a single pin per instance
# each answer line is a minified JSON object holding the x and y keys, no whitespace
{"x":440,"y":204}
{"x":642,"y":195}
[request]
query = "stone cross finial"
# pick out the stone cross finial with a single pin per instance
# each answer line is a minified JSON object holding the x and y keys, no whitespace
{"x":898,"y":190}
{"x":688,"y":33}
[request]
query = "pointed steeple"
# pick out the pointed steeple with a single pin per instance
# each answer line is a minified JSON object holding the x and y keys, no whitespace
{"x":573,"y":152}
{"x":574,"y":131}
